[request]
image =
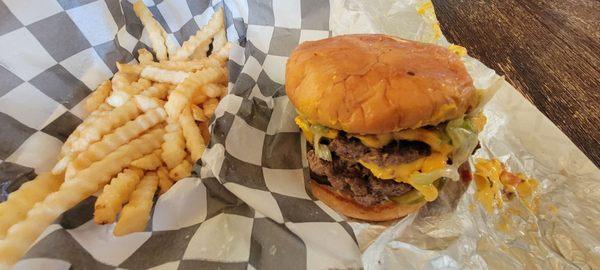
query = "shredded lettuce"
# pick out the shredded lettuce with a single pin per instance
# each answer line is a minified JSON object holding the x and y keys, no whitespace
{"x":464,"y":139}
{"x":430,"y":177}
{"x":321,"y":150}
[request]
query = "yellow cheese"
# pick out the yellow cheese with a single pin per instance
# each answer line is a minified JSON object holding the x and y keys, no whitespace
{"x":431,"y":137}
{"x":305,"y":127}
{"x":375,"y":141}
{"x":487,"y":179}
{"x":399,"y":171}
{"x":478,"y":122}
{"x":403,"y":172}
{"x":458,"y":50}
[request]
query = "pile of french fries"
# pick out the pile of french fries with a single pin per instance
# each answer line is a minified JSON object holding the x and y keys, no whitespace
{"x":146,"y":127}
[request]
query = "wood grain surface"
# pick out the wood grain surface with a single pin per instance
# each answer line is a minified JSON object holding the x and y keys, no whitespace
{"x":549,"y":50}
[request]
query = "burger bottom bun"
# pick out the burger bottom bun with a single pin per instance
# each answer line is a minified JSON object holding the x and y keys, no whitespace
{"x":347,"y":206}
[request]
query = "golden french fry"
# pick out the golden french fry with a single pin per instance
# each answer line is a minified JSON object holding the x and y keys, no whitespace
{"x":130,"y":68}
{"x":158,"y":90}
{"x":22,"y":234}
{"x":136,"y":213}
{"x":193,"y":139}
{"x":220,"y":40}
{"x":204,"y":131}
{"x":121,"y":80}
{"x":182,"y":170}
{"x":19,"y":202}
{"x":97,"y":97}
{"x":197,"y":113}
{"x":118,"y":98}
{"x":180,"y":97}
{"x":162,"y":75}
{"x":199,"y":53}
{"x":222,"y":55}
{"x":202,"y":37}
{"x":118,"y":137}
{"x":148,"y":162}
{"x":209,"y":107}
{"x":104,"y":124}
{"x":66,"y":149}
{"x":144,"y":56}
{"x":164,"y":181}
{"x":115,"y":194}
{"x":146,"y":103}
{"x":173,"y":148}
{"x":155,"y":31}
{"x":212,"y":90}
{"x":61,"y":165}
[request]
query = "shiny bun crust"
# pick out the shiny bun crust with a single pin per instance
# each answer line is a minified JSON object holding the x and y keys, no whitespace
{"x":348,"y":207}
{"x":372,"y":84}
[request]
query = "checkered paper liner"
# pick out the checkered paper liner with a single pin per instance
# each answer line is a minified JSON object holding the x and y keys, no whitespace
{"x":247,"y":209}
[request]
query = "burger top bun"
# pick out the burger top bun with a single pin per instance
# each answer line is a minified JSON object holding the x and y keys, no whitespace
{"x":372,"y":84}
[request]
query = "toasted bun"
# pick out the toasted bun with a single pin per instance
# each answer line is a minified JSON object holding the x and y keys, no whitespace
{"x":373,"y":84}
{"x":348,"y":207}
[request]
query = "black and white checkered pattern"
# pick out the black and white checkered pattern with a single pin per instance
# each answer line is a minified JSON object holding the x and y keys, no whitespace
{"x":250,"y":210}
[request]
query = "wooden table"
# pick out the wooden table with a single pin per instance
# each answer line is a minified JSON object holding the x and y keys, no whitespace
{"x":549,"y":50}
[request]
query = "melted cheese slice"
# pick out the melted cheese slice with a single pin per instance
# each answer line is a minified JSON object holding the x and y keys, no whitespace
{"x":305,"y":127}
{"x":404,"y":172}
{"x":430,"y":137}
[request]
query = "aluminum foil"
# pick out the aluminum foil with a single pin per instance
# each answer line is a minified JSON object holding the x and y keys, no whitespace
{"x":562,"y":232}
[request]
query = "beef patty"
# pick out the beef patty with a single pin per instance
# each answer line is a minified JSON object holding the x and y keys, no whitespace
{"x":396,"y":152}
{"x":354,"y":180}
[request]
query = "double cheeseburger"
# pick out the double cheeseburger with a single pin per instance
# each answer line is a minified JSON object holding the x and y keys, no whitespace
{"x":388,"y":121}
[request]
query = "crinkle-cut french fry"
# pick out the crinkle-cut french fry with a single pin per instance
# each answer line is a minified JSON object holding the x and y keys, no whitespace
{"x":21,"y":235}
{"x":136,"y":213}
{"x":97,"y":97}
{"x":130,"y":68}
{"x":148,"y":162}
{"x":155,"y":31}
{"x":15,"y":208}
{"x":158,"y":90}
{"x":146,"y":103}
{"x":180,"y":97}
{"x":172,"y":45}
{"x":61,"y":165}
{"x":182,"y":170}
{"x":220,"y":40}
{"x":173,"y":148}
{"x":212,"y":90}
{"x":104,"y":124}
{"x":163,"y":75}
{"x":164,"y":181}
{"x":200,"y":53}
{"x":103,"y":109}
{"x":204,"y":131}
{"x":114,"y":195}
{"x":193,"y":139}
{"x":201,"y":38}
{"x":209,"y":107}
{"x":199,"y":96}
{"x":222,"y":55}
{"x":121,"y":80}
{"x":118,"y":98}
{"x":118,"y":137}
{"x":144,"y":56}
{"x":197,"y":113}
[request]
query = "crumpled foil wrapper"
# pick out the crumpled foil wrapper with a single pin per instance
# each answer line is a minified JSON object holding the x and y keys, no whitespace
{"x":562,"y":233}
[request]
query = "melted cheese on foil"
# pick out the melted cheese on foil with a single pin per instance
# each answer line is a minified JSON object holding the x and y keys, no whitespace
{"x":492,"y":178}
